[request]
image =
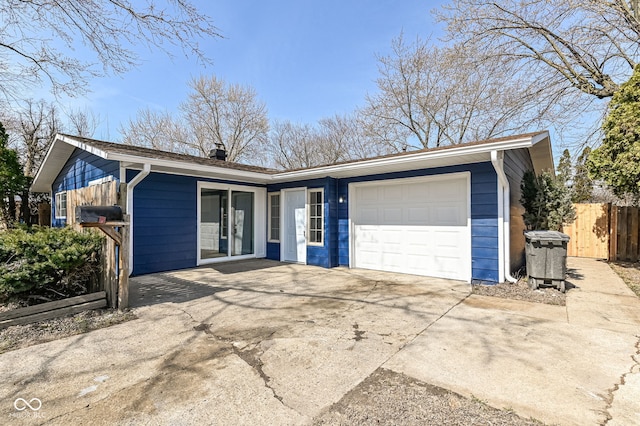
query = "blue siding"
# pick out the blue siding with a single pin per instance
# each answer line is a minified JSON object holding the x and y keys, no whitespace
{"x":165,"y":211}
{"x":484,"y":215}
{"x":81,"y":168}
{"x":325,"y":255}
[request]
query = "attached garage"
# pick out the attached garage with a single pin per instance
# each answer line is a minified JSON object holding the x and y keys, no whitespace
{"x":418,"y":226}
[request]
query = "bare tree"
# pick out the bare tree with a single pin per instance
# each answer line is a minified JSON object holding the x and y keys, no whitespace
{"x":346,"y":138}
{"x":158,"y":130}
{"x":430,"y":96}
{"x":587,"y":45}
{"x":83,"y":122}
{"x":34,"y":127}
{"x":32,"y":130}
{"x":291,"y":145}
{"x":38,"y":39}
{"x":214,"y":113}
{"x":231,"y":115}
{"x":331,"y":140}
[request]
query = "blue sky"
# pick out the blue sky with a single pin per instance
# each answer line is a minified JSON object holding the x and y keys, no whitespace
{"x":306,"y":60}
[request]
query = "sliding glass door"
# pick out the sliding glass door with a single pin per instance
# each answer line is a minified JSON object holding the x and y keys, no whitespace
{"x":227,"y":223}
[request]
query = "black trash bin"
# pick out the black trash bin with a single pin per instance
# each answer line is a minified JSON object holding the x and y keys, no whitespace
{"x":546,"y":255}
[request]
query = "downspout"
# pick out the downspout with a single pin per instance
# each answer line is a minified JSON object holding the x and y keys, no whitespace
{"x":497,"y":160}
{"x":146,"y":169}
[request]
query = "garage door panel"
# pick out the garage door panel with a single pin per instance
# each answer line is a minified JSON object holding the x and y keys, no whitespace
{"x":418,"y":228}
{"x":390,"y":194}
{"x":418,"y":215}
{"x":392,"y":215}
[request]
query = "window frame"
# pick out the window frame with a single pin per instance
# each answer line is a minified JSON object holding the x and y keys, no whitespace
{"x":270,"y":218}
{"x":58,"y":204}
{"x":312,"y":217}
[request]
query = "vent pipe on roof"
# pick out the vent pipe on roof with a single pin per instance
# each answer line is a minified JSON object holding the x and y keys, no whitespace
{"x":219,"y":153}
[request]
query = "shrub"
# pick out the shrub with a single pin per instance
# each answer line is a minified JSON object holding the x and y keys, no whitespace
{"x":53,"y":261}
{"x":546,"y":201}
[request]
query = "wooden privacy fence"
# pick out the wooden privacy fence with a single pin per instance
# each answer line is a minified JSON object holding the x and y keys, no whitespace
{"x":104,"y":194}
{"x":605,"y":231}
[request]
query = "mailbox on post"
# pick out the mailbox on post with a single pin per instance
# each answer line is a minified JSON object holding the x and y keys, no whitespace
{"x":98,"y":214}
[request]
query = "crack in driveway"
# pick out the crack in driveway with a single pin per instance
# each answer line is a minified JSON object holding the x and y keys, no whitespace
{"x":250,"y":356}
{"x":635,"y":368}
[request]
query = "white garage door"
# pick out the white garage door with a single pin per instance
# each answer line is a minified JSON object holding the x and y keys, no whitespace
{"x":415,"y":226}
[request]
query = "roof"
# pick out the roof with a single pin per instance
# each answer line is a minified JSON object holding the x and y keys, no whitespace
{"x":135,"y":157}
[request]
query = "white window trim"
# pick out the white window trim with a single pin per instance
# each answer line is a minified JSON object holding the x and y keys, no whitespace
{"x":259,"y":232}
{"x":57,"y":205}
{"x":321,"y":243}
{"x":270,"y":218}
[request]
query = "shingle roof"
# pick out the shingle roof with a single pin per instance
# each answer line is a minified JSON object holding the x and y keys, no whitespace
{"x":150,"y":153}
{"x":434,"y":149}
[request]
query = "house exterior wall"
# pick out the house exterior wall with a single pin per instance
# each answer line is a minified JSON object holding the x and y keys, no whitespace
{"x":484,"y":215}
{"x":327,"y":254}
{"x":81,"y":168}
{"x":165,"y":215}
{"x":516,"y":162}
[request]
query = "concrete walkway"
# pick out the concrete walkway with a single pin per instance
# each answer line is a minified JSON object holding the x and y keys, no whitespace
{"x":578,"y":364}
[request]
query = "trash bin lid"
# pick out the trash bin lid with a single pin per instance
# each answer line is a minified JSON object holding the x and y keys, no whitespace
{"x":546,"y":236}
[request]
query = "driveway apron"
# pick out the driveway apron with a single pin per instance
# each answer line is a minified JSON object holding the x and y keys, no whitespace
{"x":240,"y":343}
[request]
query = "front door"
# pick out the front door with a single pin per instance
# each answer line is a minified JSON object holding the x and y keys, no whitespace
{"x":295,"y":224}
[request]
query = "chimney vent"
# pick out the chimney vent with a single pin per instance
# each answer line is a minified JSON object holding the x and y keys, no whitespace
{"x":219,"y":153}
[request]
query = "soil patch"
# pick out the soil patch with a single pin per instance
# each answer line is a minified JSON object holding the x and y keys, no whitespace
{"x":389,"y":398}
{"x":21,"y":336}
{"x":521,"y":291}
{"x":630,"y":274}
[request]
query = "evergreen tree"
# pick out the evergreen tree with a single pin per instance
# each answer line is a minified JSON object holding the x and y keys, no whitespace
{"x":617,"y":160}
{"x":582,"y":188}
{"x":564,"y":171}
{"x":547,"y":202}
{"x":12,"y":180}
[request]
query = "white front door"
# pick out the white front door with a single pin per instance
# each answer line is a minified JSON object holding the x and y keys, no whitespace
{"x":294,"y":244}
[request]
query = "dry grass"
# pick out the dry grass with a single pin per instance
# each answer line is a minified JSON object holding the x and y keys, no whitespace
{"x":630,"y":274}
{"x":521,"y":291}
{"x":21,"y":336}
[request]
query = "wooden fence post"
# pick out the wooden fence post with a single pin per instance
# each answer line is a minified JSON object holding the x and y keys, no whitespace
{"x":613,"y":232}
{"x":123,"y":279}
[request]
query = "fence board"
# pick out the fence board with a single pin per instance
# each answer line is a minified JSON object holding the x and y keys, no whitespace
{"x":50,"y":306}
{"x":613,"y":232}
{"x":633,"y":232}
{"x":622,"y":234}
{"x":589,"y":233}
{"x":104,"y":194}
{"x":74,"y":309}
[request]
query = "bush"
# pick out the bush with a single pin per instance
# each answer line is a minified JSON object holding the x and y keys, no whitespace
{"x":58,"y":262}
{"x":546,"y":201}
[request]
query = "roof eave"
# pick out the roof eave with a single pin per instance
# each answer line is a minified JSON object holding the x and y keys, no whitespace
{"x":411,"y":161}
{"x":200,"y":169}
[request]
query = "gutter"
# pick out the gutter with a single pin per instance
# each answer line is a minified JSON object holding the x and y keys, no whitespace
{"x":146,"y":169}
{"x":497,"y":160}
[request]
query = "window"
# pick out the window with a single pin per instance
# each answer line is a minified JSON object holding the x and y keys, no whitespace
{"x":274,"y":217}
{"x":316,"y":216}
{"x":61,"y":205}
{"x":224,"y":221}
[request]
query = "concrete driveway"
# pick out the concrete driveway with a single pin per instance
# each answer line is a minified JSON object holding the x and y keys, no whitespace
{"x":261,"y":342}
{"x":240,"y":343}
